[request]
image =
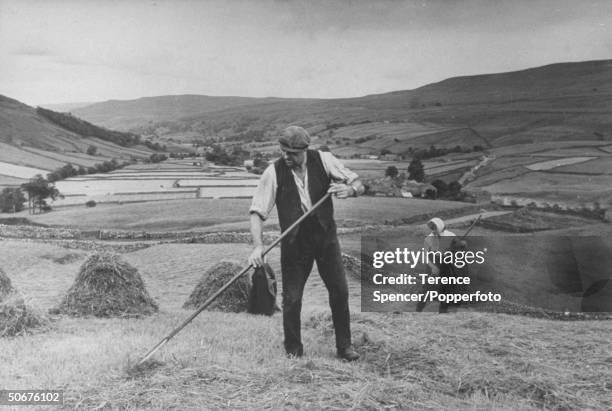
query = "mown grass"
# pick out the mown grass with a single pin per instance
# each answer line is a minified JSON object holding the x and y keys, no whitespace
{"x":466,"y":360}
{"x":235,"y":361}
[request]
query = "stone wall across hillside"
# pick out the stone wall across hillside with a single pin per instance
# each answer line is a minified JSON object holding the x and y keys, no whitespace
{"x":88,"y":245}
{"x":589,"y":209}
{"x":26,"y":231}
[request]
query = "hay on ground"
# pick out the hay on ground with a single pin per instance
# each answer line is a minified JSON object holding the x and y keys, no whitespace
{"x":234,"y":299}
{"x":6,"y":287}
{"x":107,"y":286}
{"x":15,"y":316}
{"x":353,"y":267}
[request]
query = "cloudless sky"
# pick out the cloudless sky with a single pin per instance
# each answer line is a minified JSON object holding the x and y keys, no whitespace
{"x":59,"y":51}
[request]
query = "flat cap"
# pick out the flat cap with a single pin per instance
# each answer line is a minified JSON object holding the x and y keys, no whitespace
{"x":294,"y":139}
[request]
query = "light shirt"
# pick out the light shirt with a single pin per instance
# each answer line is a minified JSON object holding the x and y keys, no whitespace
{"x":432,"y":243}
{"x":265,"y":194}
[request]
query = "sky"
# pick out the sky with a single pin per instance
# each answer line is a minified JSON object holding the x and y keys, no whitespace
{"x":62,"y":51}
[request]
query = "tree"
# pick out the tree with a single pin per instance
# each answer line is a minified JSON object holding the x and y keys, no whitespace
{"x":454,"y":190}
{"x":156,"y":158}
{"x":68,"y":171}
{"x":416,"y":171}
{"x":391,"y":171}
{"x":91,"y":150}
{"x":39,"y":189}
{"x":11,"y":200}
{"x":441,"y":186}
{"x":260,"y":162}
{"x":85,"y":128}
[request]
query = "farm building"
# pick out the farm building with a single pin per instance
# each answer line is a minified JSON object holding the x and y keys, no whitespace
{"x":417,"y":189}
{"x":390,"y":157}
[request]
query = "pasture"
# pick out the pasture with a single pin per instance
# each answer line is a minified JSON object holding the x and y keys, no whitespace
{"x":9,"y":181}
{"x":19,"y":156}
{"x":149,"y":182}
{"x":375,"y":169}
{"x":570,"y":174}
{"x":397,"y":137}
{"x":235,"y":361}
{"x":13,"y":170}
{"x":225,"y":213}
{"x":25,"y":162}
{"x":553,"y":164}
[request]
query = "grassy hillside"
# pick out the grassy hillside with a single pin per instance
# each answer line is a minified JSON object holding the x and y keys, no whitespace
{"x":530,"y":112}
{"x":128,"y":114}
{"x":229,"y":214}
{"x":66,"y":107}
{"x":547,"y":103}
{"x":562,"y":80}
{"x":29,"y":139}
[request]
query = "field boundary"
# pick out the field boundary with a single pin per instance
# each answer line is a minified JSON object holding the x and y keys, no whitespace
{"x":444,"y":214}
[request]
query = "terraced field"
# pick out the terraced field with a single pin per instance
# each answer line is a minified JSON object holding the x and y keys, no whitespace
{"x":19,"y":156}
{"x":602,"y":165}
{"x":9,"y":181}
{"x":553,"y":164}
{"x":569,"y":174}
{"x":398,"y":138}
{"x":376,"y":168}
{"x":154,"y":182}
{"x":76,"y":159}
{"x":13,"y":170}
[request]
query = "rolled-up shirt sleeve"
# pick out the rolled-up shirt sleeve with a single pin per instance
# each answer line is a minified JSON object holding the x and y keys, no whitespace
{"x":265,"y":194}
{"x":336,"y":170}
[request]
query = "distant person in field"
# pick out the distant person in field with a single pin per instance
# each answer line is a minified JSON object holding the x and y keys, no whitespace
{"x":439,"y":239}
{"x":295,"y":182}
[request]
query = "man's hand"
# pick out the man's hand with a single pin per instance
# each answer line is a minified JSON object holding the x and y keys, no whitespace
{"x":435,"y":270}
{"x":256,"y":259}
{"x":457,"y":244}
{"x":341,"y":190}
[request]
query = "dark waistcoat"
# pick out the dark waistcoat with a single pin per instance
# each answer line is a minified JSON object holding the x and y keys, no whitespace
{"x":288,"y":199}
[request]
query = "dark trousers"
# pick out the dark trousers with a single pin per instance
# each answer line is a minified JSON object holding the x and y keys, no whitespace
{"x":443,"y":307}
{"x":313,"y":243}
{"x":446,"y":270}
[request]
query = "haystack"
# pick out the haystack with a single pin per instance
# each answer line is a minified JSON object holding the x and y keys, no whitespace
{"x":15,"y":316}
{"x":234,"y":299}
{"x":106,"y":286}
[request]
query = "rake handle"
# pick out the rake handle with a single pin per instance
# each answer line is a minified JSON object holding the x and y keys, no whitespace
{"x":228,"y":284}
{"x":470,"y":228}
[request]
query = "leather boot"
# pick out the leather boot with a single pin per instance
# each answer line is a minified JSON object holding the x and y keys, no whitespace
{"x":348,"y":354}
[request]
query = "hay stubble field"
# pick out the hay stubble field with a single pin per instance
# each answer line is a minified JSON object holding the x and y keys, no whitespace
{"x":468,"y":360}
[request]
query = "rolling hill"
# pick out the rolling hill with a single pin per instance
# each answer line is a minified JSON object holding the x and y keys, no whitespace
{"x":67,"y":107}
{"x":566,"y":101}
{"x":520,"y":119}
{"x":129,"y":114}
{"x":30,"y":143}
